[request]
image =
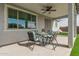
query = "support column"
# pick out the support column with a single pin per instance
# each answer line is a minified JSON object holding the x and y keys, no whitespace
{"x":75,"y":22}
{"x":71,"y":24}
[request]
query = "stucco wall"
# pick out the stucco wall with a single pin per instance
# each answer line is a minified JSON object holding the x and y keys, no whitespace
{"x":8,"y":37}
{"x":1,"y":17}
{"x":48,"y":25}
{"x":41,"y":23}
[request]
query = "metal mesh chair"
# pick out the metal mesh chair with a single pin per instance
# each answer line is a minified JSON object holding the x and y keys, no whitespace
{"x":52,"y":38}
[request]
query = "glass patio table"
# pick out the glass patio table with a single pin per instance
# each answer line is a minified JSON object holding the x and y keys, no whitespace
{"x":46,"y":38}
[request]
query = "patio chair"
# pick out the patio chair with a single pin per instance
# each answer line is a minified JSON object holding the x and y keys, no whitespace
{"x":54,"y":32}
{"x":52,"y":38}
{"x":35,"y":37}
{"x":31,"y":41}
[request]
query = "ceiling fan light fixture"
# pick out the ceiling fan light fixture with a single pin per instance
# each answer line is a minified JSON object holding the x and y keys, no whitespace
{"x":48,"y":9}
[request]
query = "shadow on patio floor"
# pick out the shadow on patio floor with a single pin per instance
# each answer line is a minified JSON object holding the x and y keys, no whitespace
{"x":31,"y":45}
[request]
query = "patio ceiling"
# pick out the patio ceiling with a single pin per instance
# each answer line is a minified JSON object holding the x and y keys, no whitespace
{"x":61,"y":8}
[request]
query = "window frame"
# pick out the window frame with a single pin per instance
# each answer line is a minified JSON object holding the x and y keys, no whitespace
{"x":19,"y":9}
{"x":12,"y":17}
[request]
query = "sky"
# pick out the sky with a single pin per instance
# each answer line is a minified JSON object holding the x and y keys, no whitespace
{"x":64,"y":21}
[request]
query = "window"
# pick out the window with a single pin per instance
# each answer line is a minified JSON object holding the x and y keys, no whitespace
{"x":12,"y":18}
{"x":32,"y":22}
{"x":20,"y":20}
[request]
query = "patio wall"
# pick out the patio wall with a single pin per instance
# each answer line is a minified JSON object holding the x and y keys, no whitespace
{"x":1,"y":17}
{"x":41,"y":23}
{"x":48,"y":24}
{"x":8,"y":37}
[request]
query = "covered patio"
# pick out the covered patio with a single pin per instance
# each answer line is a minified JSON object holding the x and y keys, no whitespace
{"x":15,"y":49}
{"x":43,"y":20}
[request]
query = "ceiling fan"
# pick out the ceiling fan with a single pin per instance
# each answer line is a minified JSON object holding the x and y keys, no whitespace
{"x":48,"y":9}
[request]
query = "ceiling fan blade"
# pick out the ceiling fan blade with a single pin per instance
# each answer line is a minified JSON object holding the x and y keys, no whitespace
{"x":53,"y":10}
{"x":49,"y":12}
{"x":43,"y":11}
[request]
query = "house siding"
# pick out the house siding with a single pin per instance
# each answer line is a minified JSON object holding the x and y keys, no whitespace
{"x":41,"y":23}
{"x":8,"y":37}
{"x":1,"y":17}
{"x":48,"y":24}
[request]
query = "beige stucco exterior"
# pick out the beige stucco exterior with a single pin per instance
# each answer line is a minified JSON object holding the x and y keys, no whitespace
{"x":11,"y":36}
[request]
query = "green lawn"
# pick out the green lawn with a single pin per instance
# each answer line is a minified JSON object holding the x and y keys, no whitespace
{"x":75,"y":49}
{"x":63,"y":33}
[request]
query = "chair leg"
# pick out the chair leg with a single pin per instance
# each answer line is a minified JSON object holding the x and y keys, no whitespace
{"x":53,"y":45}
{"x":33,"y":46}
{"x":56,"y":40}
{"x":51,"y":42}
{"x":43,"y":41}
{"x":52,"y":39}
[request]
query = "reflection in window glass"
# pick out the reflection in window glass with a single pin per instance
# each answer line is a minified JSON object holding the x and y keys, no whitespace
{"x":20,"y":20}
{"x":28,"y":18}
{"x":34,"y":20}
{"x":12,"y":18}
{"x":12,"y":23}
{"x":21,"y":23}
{"x":31,"y":25}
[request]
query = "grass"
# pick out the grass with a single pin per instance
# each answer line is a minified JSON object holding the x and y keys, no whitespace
{"x":75,"y":49}
{"x":63,"y":33}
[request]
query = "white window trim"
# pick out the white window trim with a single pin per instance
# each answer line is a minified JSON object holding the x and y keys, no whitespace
{"x":6,"y":6}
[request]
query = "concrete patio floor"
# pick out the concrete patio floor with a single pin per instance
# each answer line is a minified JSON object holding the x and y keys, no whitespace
{"x":17,"y":50}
